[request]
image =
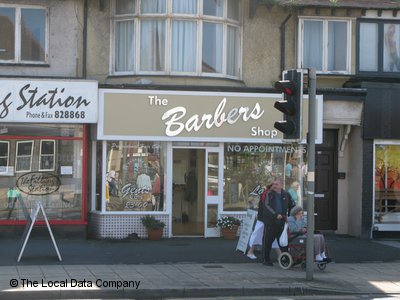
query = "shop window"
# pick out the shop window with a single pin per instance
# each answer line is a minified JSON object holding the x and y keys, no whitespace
{"x":23,"y":157}
{"x":135,"y":176}
{"x":387,"y":183}
{"x":378,"y":48}
{"x":198,"y":37}
{"x":23,"y":34}
{"x":4,"y":156}
{"x":47,"y":155}
{"x":249,"y":168}
{"x":325,"y":45}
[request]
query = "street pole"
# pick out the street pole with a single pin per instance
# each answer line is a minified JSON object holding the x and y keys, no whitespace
{"x":312,"y":83}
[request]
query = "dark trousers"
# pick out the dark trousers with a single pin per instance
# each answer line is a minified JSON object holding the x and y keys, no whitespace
{"x":272,"y":231}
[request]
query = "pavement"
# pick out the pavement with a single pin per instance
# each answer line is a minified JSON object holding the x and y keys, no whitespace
{"x":188,"y":267}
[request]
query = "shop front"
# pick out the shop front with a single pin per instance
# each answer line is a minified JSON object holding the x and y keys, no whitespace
{"x":43,"y":149}
{"x":187,"y":158}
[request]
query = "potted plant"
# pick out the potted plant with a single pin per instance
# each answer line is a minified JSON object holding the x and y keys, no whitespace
{"x":154,"y":227}
{"x":229,"y":226}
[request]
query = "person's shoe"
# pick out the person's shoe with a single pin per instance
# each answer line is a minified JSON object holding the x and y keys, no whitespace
{"x":251,"y":256}
{"x":318,"y":258}
{"x":268,"y":263}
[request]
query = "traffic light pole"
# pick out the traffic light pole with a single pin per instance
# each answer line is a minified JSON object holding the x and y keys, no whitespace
{"x":312,"y":79}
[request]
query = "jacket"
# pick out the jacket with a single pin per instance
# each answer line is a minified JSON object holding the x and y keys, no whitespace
{"x":266,"y":207}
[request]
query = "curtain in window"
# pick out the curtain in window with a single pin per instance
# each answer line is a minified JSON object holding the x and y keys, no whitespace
{"x":213,"y":8}
{"x":33,"y":34}
{"x":7,"y":33}
{"x":337,"y":46}
{"x":184,"y":7}
{"x":124,"y":46}
{"x":184,"y":46}
{"x":212,"y":48}
{"x":152,"y":45}
{"x":152,"y":6}
{"x":232,"y":52}
{"x":312,"y":51}
{"x":391,"y":60}
{"x":368,"y":47}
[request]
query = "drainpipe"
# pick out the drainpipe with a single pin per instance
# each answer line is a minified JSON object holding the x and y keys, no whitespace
{"x":283,"y":28}
{"x":84,"y":53}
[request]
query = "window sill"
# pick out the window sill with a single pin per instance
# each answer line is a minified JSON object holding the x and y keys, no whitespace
{"x":41,"y":65}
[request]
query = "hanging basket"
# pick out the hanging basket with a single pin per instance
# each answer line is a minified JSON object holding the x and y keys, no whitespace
{"x":229,"y":234}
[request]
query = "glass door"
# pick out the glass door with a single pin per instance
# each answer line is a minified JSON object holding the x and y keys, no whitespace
{"x":213,"y":191}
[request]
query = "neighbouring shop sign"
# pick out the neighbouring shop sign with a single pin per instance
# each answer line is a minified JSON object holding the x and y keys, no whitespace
{"x":38,"y":183}
{"x":48,"y":101}
{"x":195,"y":116}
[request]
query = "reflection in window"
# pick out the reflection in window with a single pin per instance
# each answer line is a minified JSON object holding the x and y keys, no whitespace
{"x":23,"y":159}
{"x":249,"y":168}
{"x":212,"y":215}
{"x":135,"y":176}
{"x":391,"y":60}
{"x":47,"y":155}
{"x":212,"y":48}
{"x":212,"y":170}
{"x":7,"y":33}
{"x":4,"y":156}
{"x":387,"y":183}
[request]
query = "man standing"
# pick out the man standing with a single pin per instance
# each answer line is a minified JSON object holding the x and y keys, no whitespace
{"x":273,"y":212}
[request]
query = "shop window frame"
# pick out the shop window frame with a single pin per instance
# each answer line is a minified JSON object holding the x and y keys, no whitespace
{"x":169,"y":17}
{"x":8,"y":158}
{"x":19,"y":156}
{"x":380,"y":51}
{"x":18,"y":35}
{"x":41,"y":154}
{"x":325,"y":39}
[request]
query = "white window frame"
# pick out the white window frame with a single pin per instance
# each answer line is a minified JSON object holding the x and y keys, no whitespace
{"x":53,"y":155}
{"x":199,"y":18}
{"x":325,"y":43}
{"x":8,"y":157}
{"x":22,"y":156}
{"x":17,"y":28}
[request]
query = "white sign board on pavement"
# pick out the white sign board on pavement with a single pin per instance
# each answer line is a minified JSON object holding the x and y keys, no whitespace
{"x":246,"y":230}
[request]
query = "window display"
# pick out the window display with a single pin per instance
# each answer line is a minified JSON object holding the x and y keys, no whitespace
{"x":46,"y":170}
{"x":249,"y":168}
{"x":135,"y":176}
{"x":387,"y":183}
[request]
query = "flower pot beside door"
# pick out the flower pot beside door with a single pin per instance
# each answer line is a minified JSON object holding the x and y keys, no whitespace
{"x":154,"y":227}
{"x":229,"y":234}
{"x":229,"y":226}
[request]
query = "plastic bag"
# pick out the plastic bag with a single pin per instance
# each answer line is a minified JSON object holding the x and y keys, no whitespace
{"x":283,"y":239}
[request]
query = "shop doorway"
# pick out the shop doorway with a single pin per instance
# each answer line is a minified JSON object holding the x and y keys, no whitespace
{"x":188,"y":192}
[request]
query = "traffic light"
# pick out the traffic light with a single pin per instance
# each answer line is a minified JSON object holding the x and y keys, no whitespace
{"x":292,"y":89}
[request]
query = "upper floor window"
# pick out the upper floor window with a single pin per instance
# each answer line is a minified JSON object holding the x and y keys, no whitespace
{"x":191,"y":37}
{"x":23,"y":34}
{"x":324,"y":44}
{"x":378,"y":47}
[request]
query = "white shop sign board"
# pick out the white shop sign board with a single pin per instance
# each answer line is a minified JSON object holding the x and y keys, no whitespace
{"x":246,"y":230}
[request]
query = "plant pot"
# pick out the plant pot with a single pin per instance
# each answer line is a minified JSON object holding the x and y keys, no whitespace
{"x":229,"y":234}
{"x":155,"y":234}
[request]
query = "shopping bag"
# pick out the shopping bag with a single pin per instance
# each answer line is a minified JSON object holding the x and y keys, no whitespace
{"x":283,"y":239}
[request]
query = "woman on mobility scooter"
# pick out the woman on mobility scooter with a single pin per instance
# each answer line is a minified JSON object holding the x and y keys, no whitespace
{"x":297,"y":243}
